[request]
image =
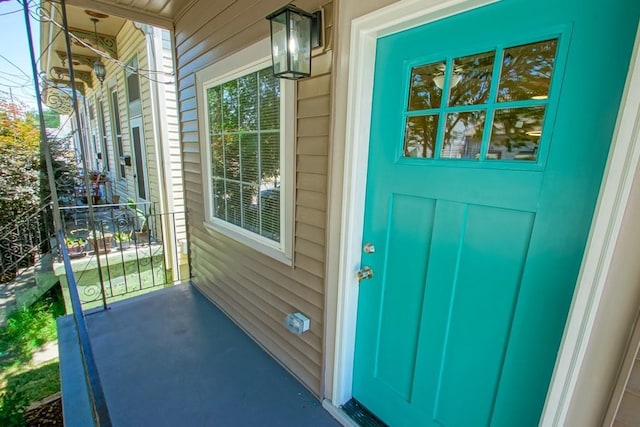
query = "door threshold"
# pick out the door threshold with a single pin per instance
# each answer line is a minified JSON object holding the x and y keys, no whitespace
{"x":353,"y":414}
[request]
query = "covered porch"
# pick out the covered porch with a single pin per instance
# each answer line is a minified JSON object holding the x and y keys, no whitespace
{"x":173,"y":358}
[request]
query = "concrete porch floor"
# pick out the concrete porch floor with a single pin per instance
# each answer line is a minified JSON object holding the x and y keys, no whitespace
{"x":172,"y":358}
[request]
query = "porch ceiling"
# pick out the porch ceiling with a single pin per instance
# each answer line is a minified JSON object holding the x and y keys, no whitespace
{"x":160,"y":13}
{"x":53,"y":48}
{"x":111,"y":15}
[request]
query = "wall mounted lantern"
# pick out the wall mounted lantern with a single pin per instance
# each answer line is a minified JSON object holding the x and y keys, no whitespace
{"x":293,"y":33}
{"x":98,"y":67}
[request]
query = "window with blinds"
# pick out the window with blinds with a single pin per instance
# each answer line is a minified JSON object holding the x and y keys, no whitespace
{"x":244,"y":137}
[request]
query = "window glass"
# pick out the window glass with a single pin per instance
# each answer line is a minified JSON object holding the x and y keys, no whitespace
{"x":244,"y":134}
{"x":463,"y":135}
{"x":470,"y":79}
{"x":420,"y":136}
{"x":516,"y":133}
{"x":461,"y":109}
{"x":426,"y":86}
{"x":133,"y":88}
{"x":526,"y":71}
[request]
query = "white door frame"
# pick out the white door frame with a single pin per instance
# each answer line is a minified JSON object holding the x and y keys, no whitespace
{"x":623,"y":159}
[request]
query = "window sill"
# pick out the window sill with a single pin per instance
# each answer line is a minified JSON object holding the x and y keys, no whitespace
{"x":247,"y":239}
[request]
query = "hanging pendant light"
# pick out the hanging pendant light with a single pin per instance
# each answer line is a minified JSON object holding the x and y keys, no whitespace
{"x":98,"y":67}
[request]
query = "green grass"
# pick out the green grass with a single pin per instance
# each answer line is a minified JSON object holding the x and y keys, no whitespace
{"x":36,"y":384}
{"x":29,"y":328}
{"x":22,"y":382}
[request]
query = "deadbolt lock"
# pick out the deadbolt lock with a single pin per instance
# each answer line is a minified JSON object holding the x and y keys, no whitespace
{"x":369,"y":248}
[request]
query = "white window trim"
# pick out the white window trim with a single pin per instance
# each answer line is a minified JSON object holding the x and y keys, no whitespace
{"x":248,"y":60}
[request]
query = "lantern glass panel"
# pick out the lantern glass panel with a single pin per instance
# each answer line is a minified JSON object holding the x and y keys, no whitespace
{"x":279,"y":43}
{"x":300,"y":44}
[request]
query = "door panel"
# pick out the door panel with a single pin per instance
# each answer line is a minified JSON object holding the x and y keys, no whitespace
{"x":395,"y":354}
{"x":139,"y":158}
{"x":484,"y":166}
{"x":475,"y":297}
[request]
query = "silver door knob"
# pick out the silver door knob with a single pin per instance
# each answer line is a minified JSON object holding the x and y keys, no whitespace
{"x":364,"y":273}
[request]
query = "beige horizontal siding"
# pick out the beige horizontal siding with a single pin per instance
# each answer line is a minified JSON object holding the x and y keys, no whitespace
{"x":311,"y":199}
{"x":313,"y":145}
{"x":628,"y":411}
{"x":313,"y":107}
{"x":311,"y":233}
{"x":254,"y":289}
{"x":312,"y":182}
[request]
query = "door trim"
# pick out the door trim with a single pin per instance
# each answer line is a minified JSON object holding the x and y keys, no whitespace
{"x":624,"y":158}
{"x":580,"y":339}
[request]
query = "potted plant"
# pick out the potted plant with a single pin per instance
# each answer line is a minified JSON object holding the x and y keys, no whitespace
{"x":122,"y":239}
{"x":76,"y":246}
{"x":141,"y":229}
{"x":100,"y":242}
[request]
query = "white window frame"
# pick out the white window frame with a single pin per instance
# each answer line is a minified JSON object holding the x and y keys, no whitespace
{"x":246,"y":61}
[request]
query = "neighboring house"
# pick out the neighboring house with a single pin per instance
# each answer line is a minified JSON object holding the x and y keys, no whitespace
{"x":505,"y":284}
{"x":129,"y":121}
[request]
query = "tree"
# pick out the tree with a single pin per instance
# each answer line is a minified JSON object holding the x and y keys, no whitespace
{"x":19,"y":161}
{"x":52,"y":119}
{"x":19,"y":187}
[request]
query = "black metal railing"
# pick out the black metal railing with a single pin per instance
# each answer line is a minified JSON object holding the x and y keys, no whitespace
{"x":130,"y":250}
{"x":99,"y":408}
{"x":24,"y":241}
{"x":114,"y":217}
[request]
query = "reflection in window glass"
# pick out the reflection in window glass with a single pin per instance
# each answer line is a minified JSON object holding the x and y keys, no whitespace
{"x":249,"y":155}
{"x":463,"y":135}
{"x":215,"y":112}
{"x":526,"y":71}
{"x":217,"y":156}
{"x":244,"y":131}
{"x":219,"y":198}
{"x":270,"y":197}
{"x":470,"y":79}
{"x":232,"y":156}
{"x":465,"y":91}
{"x":420,"y":136}
{"x":269,"y":100}
{"x":516,"y":133}
{"x":426,"y":86}
{"x":229,"y":106}
{"x":248,"y":102}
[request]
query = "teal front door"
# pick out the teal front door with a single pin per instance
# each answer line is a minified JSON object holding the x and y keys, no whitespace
{"x":490,"y":131}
